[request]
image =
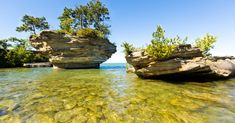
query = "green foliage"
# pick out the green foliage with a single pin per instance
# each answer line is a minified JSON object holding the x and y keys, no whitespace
{"x":17,"y":56}
{"x":81,"y":16}
{"x":99,"y":13}
{"x":16,"y":42}
{"x":38,"y":57}
{"x":17,"y":52}
{"x":206,"y":43}
{"x":66,"y":20}
{"x":63,"y":31}
{"x":4,"y":44}
{"x":88,"y":32}
{"x":128,"y":48}
{"x":32,"y":24}
{"x":104,"y":29}
{"x":92,"y":15}
{"x":162,"y":47}
{"x":2,"y":58}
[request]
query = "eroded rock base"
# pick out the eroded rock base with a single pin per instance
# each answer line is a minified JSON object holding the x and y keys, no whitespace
{"x":75,"y":66}
{"x":186,"y":62}
{"x":72,"y":52}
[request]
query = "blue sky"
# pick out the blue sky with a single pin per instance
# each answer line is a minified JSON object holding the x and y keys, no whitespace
{"x":135,"y":20}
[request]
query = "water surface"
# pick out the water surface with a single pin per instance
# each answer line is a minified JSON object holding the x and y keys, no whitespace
{"x":110,"y":95}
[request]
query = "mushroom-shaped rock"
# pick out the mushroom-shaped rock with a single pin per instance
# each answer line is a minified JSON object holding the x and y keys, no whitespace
{"x":72,"y":52}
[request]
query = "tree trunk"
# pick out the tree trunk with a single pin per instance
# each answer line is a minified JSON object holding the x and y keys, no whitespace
{"x":34,"y":31}
{"x":81,"y":22}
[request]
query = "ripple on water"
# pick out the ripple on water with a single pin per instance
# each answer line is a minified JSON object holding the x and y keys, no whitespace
{"x":109,"y":95}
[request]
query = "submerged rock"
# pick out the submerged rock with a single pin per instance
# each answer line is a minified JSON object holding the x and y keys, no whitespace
{"x":9,"y":119}
{"x":68,"y":51}
{"x":8,"y":105}
{"x":185,"y":62}
{"x":3,"y":112}
{"x":40,"y":118}
{"x":69,"y":104}
{"x":64,"y":116}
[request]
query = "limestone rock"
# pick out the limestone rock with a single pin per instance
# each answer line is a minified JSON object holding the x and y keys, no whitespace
{"x":40,"y":118}
{"x":130,"y":70}
{"x":186,"y":61}
{"x":64,"y":116}
{"x":68,"y":51}
{"x":69,"y":104}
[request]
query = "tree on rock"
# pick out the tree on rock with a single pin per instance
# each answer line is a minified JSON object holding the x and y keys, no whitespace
{"x":99,"y":14}
{"x":92,"y":15}
{"x":33,"y":24}
{"x":81,"y":17}
{"x":66,"y":20}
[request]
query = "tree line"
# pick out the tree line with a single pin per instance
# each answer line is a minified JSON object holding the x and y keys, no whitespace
{"x":14,"y":52}
{"x":84,"y":21}
{"x":89,"y":18}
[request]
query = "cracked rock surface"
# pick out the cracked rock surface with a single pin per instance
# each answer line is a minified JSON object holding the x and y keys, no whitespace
{"x":70,"y":52}
{"x":186,"y":61}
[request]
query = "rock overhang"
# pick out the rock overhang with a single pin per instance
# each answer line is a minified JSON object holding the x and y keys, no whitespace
{"x":71,"y":52}
{"x":185,"y":62}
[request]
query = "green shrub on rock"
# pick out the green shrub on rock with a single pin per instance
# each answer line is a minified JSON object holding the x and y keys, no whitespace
{"x":206,"y":43}
{"x":89,"y":33}
{"x":63,"y":31}
{"x":84,"y":33}
{"x":162,"y":47}
{"x":128,"y":48}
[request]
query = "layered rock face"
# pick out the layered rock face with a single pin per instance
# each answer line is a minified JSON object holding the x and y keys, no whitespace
{"x":71,"y":52}
{"x":186,"y":61}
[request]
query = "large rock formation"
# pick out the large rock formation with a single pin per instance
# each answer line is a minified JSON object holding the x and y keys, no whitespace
{"x":186,"y":61}
{"x":68,"y":51}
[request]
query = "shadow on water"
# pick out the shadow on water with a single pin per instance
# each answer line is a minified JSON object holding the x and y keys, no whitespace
{"x":174,"y":79}
{"x":109,"y":94}
{"x":183,"y":78}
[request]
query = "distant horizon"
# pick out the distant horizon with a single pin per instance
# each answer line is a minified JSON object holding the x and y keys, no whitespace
{"x":114,"y":63}
{"x":134,"y":20}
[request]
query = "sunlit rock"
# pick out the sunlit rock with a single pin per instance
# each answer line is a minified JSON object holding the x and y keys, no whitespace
{"x":64,"y":116}
{"x":79,"y":119}
{"x":9,"y":119}
{"x":68,"y":51}
{"x":40,"y":118}
{"x":8,"y":105}
{"x":49,"y":106}
{"x":186,"y":61}
{"x":69,"y":104}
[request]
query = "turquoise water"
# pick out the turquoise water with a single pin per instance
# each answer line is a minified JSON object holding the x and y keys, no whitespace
{"x":110,"y":95}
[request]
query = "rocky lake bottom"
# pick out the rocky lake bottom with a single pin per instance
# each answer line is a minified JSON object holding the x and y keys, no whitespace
{"x":110,"y":95}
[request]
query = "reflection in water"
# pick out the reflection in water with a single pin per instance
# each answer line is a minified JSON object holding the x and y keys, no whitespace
{"x":110,"y":95}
